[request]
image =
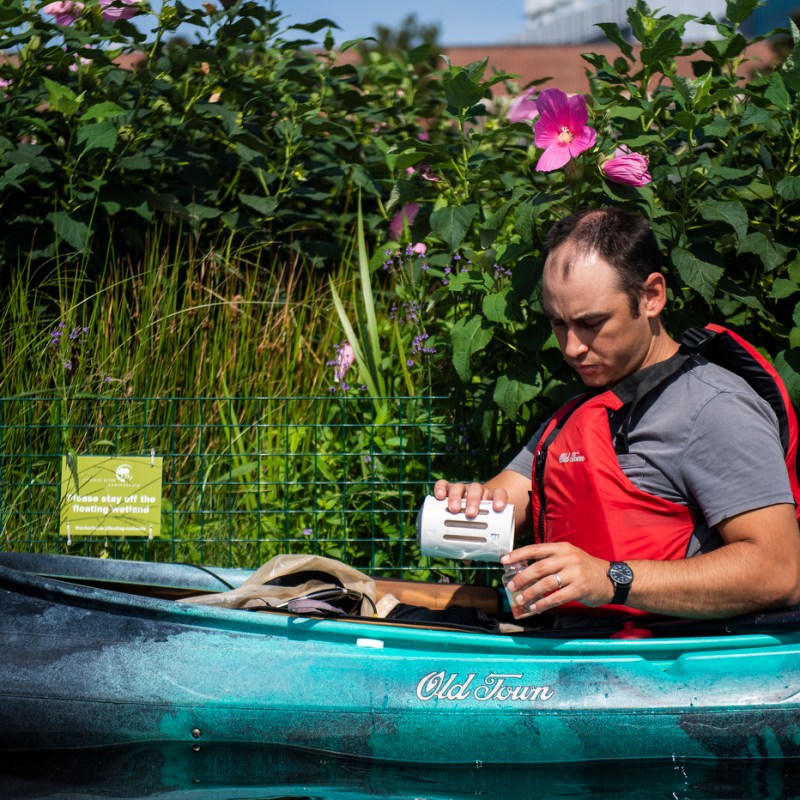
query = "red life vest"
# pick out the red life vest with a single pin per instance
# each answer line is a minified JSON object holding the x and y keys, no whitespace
{"x":581,"y":494}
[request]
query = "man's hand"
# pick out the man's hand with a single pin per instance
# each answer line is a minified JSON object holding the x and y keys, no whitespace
{"x":507,"y":487}
{"x":472,"y":493}
{"x":559,"y":573}
{"x":757,"y":568}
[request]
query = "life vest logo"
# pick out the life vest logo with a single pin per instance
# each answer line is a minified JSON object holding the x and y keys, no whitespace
{"x":570,"y":458}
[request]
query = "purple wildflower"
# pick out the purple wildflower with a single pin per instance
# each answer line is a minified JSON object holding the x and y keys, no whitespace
{"x":57,"y":333}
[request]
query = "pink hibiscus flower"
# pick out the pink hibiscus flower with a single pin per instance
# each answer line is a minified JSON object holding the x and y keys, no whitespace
{"x":345,"y":358}
{"x":561,"y":130}
{"x":523,"y":107}
{"x":627,"y":168}
{"x":64,"y":11}
{"x":405,"y":216}
{"x":119,"y":9}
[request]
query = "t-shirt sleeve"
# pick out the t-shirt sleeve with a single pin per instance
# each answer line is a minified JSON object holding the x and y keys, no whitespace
{"x":523,"y":461}
{"x":733,"y":461}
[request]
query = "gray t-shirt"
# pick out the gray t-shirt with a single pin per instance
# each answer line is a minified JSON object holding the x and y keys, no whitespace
{"x":706,"y":441}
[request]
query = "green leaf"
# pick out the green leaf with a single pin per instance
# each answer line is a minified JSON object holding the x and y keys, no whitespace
{"x":488,"y":231}
{"x":664,"y":49}
{"x":755,"y":115}
{"x":741,"y":294}
{"x":135,"y":162}
{"x":528,"y":213}
{"x":783,"y":288}
{"x":97,"y":136}
{"x":468,"y":336}
{"x":451,"y":223}
{"x":731,"y":212}
{"x":772,"y":254}
{"x":512,"y":392}
{"x":615,"y":35}
{"x":315,"y":26}
{"x":264,"y":205}
{"x":787,"y":363}
{"x":462,"y":92}
{"x":776,"y":93}
{"x":625,"y":112}
{"x":698,"y":275}
{"x":686,"y":119}
{"x":791,"y":67}
{"x":471,"y":279}
{"x":102,"y":111}
{"x":199,"y":212}
{"x":789,"y":187}
{"x":62,"y":98}
{"x":74,"y":233}
{"x":501,"y":307}
{"x":737,"y":11}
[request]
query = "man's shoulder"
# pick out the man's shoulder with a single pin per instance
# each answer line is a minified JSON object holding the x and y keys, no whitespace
{"x":705,"y":377}
{"x":703,"y":384}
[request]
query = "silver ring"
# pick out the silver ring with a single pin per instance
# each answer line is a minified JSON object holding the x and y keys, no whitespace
{"x":558,"y":581}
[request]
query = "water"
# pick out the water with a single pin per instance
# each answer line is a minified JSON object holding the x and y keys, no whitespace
{"x":183,"y":772}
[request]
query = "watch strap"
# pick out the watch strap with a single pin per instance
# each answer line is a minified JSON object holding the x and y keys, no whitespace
{"x":621,"y":591}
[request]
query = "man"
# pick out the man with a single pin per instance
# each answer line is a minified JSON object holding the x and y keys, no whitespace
{"x":703,"y":459}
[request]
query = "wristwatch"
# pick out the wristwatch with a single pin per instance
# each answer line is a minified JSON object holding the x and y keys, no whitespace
{"x":622,"y":577}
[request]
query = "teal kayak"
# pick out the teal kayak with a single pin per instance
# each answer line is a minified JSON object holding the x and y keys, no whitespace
{"x":98,"y":653}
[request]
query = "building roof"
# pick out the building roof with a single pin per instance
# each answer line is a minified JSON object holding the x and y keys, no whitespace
{"x":562,"y":65}
{"x":565,"y":68}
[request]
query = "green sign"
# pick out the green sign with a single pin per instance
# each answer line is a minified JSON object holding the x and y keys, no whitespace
{"x":110,"y":496}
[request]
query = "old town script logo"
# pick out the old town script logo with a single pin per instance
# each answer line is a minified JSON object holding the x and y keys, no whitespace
{"x":494,"y":686}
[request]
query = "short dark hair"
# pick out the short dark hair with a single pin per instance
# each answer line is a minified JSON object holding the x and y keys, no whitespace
{"x":624,"y":240}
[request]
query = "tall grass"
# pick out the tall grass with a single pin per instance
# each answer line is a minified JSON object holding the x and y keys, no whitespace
{"x":211,"y":323}
{"x":220,"y":363}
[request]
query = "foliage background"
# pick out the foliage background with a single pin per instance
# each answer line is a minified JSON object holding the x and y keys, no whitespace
{"x":229,"y":208}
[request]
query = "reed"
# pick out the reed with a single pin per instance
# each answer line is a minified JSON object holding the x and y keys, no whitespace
{"x":220,"y":361}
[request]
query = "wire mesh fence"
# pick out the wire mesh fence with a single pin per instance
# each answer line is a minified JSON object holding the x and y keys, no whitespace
{"x":243,"y":479}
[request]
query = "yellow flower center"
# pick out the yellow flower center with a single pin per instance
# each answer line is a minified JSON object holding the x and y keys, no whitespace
{"x":565,"y":137}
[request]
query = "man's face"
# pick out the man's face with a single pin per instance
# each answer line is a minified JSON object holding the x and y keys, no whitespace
{"x":592,"y":319}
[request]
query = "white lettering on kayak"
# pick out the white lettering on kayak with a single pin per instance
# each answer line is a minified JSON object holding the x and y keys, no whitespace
{"x":494,"y":686}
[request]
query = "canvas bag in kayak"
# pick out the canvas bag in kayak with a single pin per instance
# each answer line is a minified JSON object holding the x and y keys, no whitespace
{"x":301,"y":583}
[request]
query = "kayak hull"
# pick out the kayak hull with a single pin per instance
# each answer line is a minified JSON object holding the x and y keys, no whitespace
{"x":95,"y":667}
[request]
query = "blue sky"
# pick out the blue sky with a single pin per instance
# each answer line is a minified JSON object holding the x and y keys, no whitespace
{"x":460,"y":21}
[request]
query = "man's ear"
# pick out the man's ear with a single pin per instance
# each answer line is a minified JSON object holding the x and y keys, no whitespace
{"x":654,"y":295}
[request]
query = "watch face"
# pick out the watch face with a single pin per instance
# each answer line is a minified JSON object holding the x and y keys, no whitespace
{"x":620,"y":573}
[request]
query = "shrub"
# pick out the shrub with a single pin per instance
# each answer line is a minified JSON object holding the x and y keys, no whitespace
{"x":246,"y":130}
{"x":712,"y":161}
{"x":249,"y":132}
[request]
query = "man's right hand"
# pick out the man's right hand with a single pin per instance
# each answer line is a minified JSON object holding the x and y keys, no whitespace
{"x":472,"y":493}
{"x":507,"y":487}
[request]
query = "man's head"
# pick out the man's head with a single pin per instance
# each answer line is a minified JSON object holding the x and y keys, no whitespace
{"x":603,"y":293}
{"x":623,"y":240}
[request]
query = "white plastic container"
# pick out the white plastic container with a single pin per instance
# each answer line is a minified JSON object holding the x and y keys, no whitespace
{"x":443,"y":534}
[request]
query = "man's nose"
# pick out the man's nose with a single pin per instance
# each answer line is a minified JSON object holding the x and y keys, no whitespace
{"x":573,"y":346}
